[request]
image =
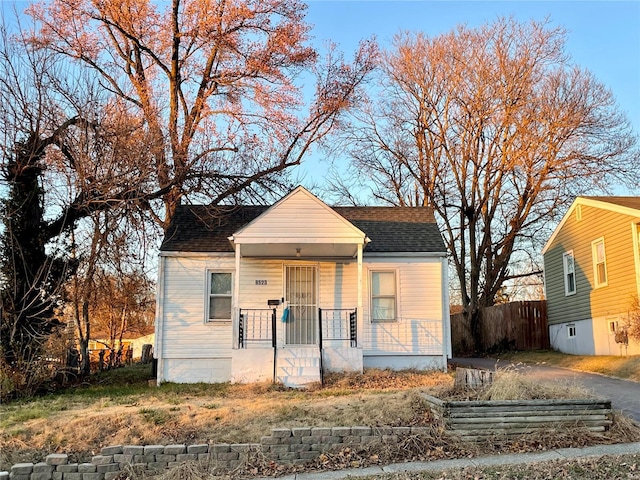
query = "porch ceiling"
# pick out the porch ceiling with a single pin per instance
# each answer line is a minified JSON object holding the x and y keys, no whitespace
{"x":299,"y":250}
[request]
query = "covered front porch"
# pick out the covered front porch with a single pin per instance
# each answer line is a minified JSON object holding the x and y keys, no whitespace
{"x":262,"y":355}
{"x":295,"y":297}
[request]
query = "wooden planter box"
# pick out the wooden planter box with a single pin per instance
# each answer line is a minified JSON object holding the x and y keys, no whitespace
{"x":478,"y":419}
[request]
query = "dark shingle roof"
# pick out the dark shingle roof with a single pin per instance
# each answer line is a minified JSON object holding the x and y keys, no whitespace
{"x":197,"y":228}
{"x":629,"y":202}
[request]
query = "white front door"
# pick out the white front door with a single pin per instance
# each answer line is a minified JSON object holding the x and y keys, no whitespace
{"x":301,"y":295}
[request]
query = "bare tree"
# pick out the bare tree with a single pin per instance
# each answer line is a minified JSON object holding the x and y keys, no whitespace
{"x":110,"y":293}
{"x":496,"y":130}
{"x":211,"y":83}
{"x":32,"y":270}
{"x":67,"y":152}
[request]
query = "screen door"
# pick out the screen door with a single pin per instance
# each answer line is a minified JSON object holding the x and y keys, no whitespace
{"x":301,"y":298}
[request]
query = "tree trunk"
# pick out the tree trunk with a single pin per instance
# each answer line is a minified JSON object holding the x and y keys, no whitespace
{"x":474,"y":317}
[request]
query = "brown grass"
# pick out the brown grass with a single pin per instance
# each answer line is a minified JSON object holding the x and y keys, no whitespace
{"x":244,"y":413}
{"x":234,"y":414}
{"x":509,"y":384}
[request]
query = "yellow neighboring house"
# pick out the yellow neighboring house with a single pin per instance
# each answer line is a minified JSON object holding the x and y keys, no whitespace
{"x":592,"y":276}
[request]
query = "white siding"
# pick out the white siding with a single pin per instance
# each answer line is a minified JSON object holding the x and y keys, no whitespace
{"x":338,"y":285}
{"x":196,"y":370}
{"x":282,"y":223}
{"x":193,"y":350}
{"x":187,"y":339}
{"x":419,"y":326}
{"x":253,"y":292}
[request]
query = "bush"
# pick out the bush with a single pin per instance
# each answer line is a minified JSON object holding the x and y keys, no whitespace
{"x":633,"y":329}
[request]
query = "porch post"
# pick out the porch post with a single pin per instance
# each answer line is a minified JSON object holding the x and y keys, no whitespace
{"x":360,"y":318}
{"x":236,"y":301}
{"x":446,"y":313}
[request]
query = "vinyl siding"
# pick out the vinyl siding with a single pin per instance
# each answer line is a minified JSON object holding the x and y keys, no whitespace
{"x":418,"y":328}
{"x":185,"y":333}
{"x":187,"y":339}
{"x":589,"y":302}
{"x":337,"y":288}
{"x":338,"y":285}
{"x":253,"y":295}
{"x":283,"y":223}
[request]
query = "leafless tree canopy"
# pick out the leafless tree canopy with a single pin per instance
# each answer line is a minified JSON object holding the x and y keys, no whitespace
{"x":494,"y":128}
{"x":211,"y":85}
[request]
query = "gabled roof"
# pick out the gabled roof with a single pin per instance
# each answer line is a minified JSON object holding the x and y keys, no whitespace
{"x":198,"y":228}
{"x":623,"y":205}
{"x":280,"y":223}
{"x":626,"y":202}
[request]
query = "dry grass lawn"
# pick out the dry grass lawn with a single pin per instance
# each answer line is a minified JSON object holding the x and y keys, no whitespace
{"x":79,"y":423}
{"x":120,"y":408}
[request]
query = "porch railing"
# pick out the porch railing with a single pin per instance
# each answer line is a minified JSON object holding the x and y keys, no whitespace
{"x":257,"y":325}
{"x":339,"y":324}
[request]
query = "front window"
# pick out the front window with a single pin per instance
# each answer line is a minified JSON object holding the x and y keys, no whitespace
{"x":383,"y":296}
{"x":219,"y":304}
{"x":569,"y":273}
{"x":599,"y":263}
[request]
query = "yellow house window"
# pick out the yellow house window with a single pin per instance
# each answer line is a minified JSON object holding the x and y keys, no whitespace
{"x":599,"y":263}
{"x":568,"y":262}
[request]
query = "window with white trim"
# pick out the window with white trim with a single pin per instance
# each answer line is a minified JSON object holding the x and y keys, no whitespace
{"x":599,"y":263}
{"x":613,"y":326}
{"x":568,"y":262}
{"x":571,"y":330}
{"x":383,"y":296}
{"x":219,"y":296}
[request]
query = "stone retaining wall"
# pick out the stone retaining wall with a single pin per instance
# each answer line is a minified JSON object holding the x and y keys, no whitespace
{"x":284,"y":446}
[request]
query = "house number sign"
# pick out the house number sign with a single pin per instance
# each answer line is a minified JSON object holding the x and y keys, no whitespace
{"x":261,"y":282}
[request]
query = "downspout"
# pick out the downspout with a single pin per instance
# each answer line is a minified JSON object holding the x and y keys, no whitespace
{"x":159,"y":330}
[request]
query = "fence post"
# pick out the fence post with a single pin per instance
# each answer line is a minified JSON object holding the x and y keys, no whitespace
{"x":240,"y":330}
{"x":353,"y":327}
{"x":320,"y":346}
{"x":274,"y":344}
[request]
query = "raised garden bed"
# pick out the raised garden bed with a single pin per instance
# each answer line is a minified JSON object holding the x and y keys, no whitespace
{"x":475,"y":419}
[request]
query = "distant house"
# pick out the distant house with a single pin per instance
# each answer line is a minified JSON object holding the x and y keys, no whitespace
{"x":288,"y":291}
{"x":592,"y":274}
{"x":133,"y":342}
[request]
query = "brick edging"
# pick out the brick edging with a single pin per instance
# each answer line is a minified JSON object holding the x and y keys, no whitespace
{"x":283,"y":445}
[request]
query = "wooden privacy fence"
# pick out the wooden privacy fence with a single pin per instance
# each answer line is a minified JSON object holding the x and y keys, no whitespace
{"x":517,"y":325}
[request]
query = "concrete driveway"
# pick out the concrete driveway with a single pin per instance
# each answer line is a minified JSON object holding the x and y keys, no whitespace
{"x":624,"y":394}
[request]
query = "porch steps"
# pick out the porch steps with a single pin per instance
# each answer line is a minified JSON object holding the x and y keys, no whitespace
{"x":298,"y":366}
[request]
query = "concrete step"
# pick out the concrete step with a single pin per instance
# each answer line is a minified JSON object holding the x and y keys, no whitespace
{"x":298,"y":366}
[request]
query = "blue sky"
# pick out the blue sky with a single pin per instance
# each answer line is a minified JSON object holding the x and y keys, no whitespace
{"x":603,"y":36}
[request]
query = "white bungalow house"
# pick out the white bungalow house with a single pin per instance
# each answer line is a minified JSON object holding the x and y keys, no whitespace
{"x":289,"y":291}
